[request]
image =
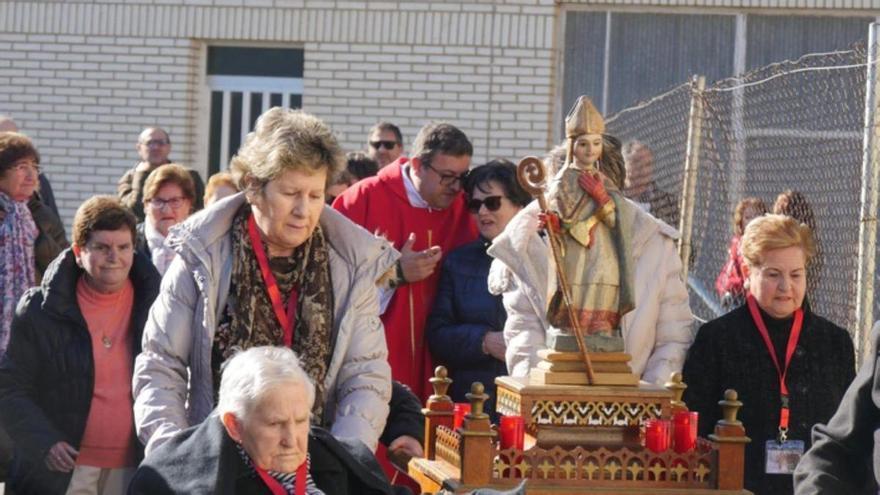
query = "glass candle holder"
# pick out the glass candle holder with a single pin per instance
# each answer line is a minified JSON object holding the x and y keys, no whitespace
{"x":684,"y":431}
{"x":459,"y":412}
{"x":511,"y":432}
{"x":657,"y":435}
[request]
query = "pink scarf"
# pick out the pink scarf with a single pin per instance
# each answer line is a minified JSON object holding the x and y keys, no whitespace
{"x":17,"y":234}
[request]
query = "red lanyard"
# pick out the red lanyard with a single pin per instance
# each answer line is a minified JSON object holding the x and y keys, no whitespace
{"x":789,"y":352}
{"x":277,"y":488}
{"x":286,"y":319}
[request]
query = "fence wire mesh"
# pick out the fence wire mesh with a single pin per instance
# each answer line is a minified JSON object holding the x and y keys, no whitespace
{"x":794,"y":126}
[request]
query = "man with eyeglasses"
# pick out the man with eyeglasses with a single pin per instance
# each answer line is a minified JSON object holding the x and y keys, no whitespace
{"x":385,"y":144}
{"x":153,"y":148}
{"x":418,"y":205}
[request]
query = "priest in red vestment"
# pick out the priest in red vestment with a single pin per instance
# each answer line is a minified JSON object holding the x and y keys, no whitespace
{"x":418,"y":205}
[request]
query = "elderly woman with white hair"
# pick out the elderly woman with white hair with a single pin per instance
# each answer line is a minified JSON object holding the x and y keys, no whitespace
{"x":258,"y":440}
{"x":271,"y":265}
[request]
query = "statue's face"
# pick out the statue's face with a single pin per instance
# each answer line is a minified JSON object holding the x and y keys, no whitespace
{"x":588,"y":149}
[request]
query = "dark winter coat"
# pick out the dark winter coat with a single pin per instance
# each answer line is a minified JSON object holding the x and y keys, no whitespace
{"x":47,"y":374}
{"x":140,"y":240}
{"x":463,"y":313}
{"x":51,"y":240}
{"x":203,"y":460}
{"x":729,"y":352}
{"x":845,"y":457}
{"x":405,"y":415}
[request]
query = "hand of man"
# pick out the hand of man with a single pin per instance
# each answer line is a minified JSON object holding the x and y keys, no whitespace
{"x":593,"y":186}
{"x":143,"y":167}
{"x":549,"y":221}
{"x":418,"y":265}
{"x":405,"y":447}
{"x":493,"y":345}
{"x":61,"y":457}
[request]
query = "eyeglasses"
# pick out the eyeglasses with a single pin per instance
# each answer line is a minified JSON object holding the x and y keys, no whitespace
{"x":388,"y":145}
{"x":448,"y":179}
{"x":173,"y":203}
{"x":155,"y":142}
{"x":492,"y":204}
{"x":27,"y":167}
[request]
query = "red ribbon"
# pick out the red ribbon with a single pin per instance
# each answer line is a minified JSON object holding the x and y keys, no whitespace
{"x":793,"y":337}
{"x":287,"y":318}
{"x":277,"y":488}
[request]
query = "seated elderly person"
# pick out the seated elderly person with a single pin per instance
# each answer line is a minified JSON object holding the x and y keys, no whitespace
{"x":258,"y":440}
{"x":168,"y":200}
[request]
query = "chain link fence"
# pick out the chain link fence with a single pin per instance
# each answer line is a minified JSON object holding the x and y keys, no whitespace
{"x":793,"y":127}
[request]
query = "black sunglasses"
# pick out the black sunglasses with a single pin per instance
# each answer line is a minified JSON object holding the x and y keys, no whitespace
{"x":388,"y":145}
{"x":492,"y":203}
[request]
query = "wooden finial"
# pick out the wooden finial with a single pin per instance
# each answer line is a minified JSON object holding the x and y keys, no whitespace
{"x":729,"y":408}
{"x":677,"y":387}
{"x":477,"y":398}
{"x":441,"y":383}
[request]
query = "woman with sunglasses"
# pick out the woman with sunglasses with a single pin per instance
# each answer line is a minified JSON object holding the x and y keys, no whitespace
{"x":465,"y":325}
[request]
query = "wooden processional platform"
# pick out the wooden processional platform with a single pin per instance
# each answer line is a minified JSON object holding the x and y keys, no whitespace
{"x":579,"y":439}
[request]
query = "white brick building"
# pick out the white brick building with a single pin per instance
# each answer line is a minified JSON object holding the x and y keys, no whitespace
{"x":84,"y":77}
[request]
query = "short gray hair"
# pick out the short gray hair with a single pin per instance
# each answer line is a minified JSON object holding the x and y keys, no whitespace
{"x":285,"y":139}
{"x":249,"y":374}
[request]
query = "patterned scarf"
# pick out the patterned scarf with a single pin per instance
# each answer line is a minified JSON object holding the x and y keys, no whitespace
{"x":249,"y":320}
{"x":287,"y":480}
{"x":17,"y":234}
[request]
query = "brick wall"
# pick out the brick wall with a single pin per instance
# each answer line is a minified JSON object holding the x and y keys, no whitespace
{"x":83,"y":78}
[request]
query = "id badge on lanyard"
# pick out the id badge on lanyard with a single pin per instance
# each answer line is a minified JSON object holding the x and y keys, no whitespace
{"x":781,"y":454}
{"x":782,"y":457}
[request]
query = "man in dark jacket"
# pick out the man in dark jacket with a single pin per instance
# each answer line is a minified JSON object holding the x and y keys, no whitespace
{"x":65,"y":381}
{"x":153,"y":147}
{"x":845,"y":456}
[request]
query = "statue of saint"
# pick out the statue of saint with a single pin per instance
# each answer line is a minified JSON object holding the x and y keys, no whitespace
{"x":593,"y":223}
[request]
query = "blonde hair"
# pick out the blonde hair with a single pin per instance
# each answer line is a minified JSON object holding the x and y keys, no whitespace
{"x":740,"y":211}
{"x":170,"y":173}
{"x":285,"y":139}
{"x":774,"y":231}
{"x":218,"y":180}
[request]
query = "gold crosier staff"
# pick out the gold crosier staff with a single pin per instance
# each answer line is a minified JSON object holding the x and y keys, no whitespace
{"x":531,"y":176}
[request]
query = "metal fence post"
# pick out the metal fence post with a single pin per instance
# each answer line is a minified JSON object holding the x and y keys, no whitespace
{"x":691,"y":166}
{"x":869,"y":200}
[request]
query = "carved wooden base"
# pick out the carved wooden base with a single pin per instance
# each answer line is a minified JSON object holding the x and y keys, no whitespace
{"x":567,"y":368}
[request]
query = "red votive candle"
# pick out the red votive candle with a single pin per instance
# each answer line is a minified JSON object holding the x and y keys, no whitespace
{"x":657,"y":435}
{"x":458,"y":414}
{"x":685,"y":431}
{"x":512,"y":430}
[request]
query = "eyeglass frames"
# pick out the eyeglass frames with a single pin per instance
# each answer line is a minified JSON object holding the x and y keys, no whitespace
{"x":446,"y":178}
{"x":388,"y":145}
{"x":173,"y":203}
{"x":493,"y":203}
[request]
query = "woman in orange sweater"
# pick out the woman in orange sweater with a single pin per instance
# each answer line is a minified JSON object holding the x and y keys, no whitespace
{"x":65,"y":381}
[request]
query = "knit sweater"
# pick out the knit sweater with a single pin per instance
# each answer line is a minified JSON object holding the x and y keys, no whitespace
{"x":729,"y":353}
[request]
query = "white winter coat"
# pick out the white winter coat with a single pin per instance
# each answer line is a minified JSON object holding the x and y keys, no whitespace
{"x":657,"y":333}
{"x":179,"y":333}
